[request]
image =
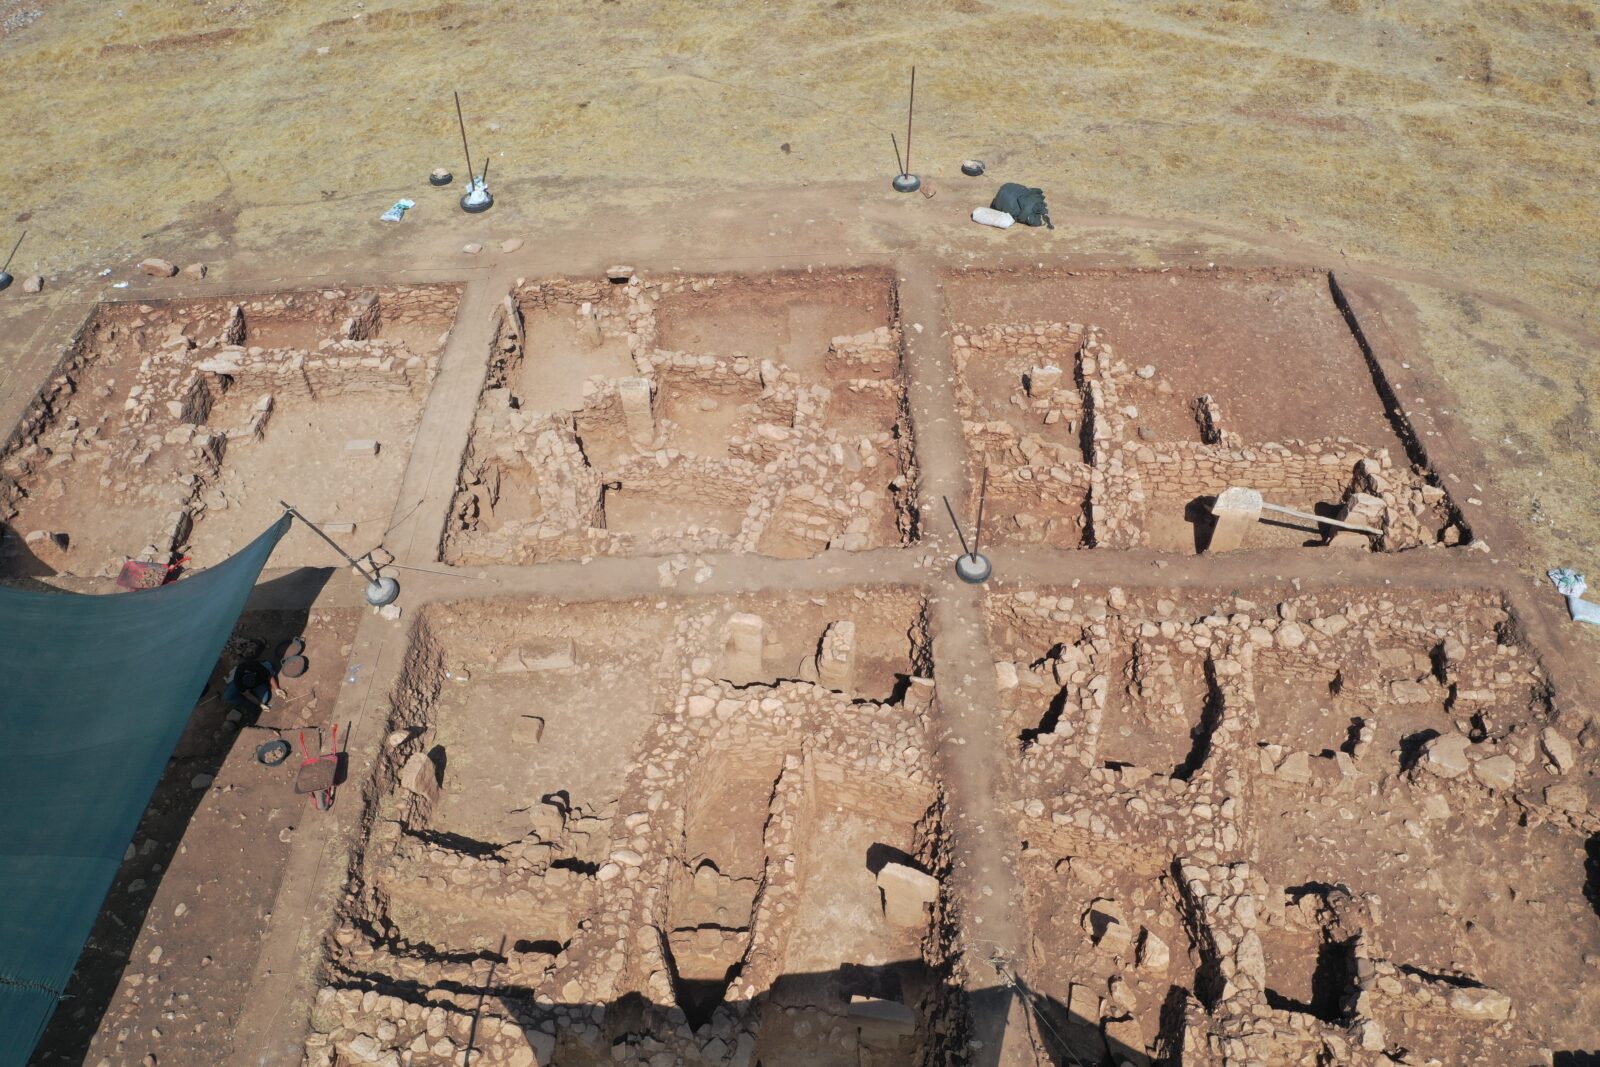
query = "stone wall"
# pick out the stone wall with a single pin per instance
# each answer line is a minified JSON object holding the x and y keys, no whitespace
{"x":1459,"y":653}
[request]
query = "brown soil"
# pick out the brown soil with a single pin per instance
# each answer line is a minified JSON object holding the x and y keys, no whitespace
{"x":654,"y":811}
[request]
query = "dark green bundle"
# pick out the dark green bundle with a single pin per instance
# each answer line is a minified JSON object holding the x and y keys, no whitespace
{"x":1025,"y":205}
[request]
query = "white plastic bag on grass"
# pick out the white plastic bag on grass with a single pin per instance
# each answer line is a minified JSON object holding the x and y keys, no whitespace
{"x":1570,"y":584}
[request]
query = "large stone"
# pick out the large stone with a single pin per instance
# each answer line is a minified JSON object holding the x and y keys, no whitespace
{"x":1557,"y":749}
{"x":882,"y":1022}
{"x":1446,"y":755}
{"x":741,"y":659}
{"x":1234,"y":513}
{"x":905,"y":892}
{"x":158,"y":268}
{"x":1296,"y":767}
{"x":1111,"y":935}
{"x":1005,"y":673}
{"x":528,"y":730}
{"x":637,"y":413}
{"x":1125,"y":1041}
{"x":1496,"y":772}
{"x":1406,"y":691}
{"x":1083,"y":1005}
{"x":1044,"y":381}
{"x":1567,"y":796}
{"x":556,"y":656}
{"x":421,"y":777}
{"x":1153,"y":952}
{"x":1490,"y":1005}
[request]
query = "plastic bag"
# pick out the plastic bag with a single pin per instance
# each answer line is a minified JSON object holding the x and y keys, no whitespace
{"x":1570,"y":584}
{"x":398,"y":212}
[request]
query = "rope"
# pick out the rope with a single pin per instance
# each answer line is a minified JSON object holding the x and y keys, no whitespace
{"x":1000,"y":964}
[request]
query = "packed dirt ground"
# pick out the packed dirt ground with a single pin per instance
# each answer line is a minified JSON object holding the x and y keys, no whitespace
{"x":728,"y":827}
{"x":685,"y":745}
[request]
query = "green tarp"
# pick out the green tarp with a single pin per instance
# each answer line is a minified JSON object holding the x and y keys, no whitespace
{"x":94,"y":694}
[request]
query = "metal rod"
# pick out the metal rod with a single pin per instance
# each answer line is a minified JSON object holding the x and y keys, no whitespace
{"x":977,"y":535}
{"x":373,"y":577}
{"x":485,"y":179}
{"x":896,"y":141}
{"x":7,"y":264}
{"x":910,"y":108}
{"x":463,"y":124}
{"x":1341,"y":524}
{"x":957,"y":524}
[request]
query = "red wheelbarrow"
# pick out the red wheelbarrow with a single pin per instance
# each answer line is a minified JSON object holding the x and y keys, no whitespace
{"x":321,"y":774}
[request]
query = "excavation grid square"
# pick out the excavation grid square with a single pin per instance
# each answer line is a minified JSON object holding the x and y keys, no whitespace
{"x":1111,"y":408}
{"x":698,"y":806}
{"x":1252,"y":800}
{"x":653,"y":416}
{"x":174,"y":429}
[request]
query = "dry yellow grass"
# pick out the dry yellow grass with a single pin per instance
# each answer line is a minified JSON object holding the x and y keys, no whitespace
{"x":1454,"y":142}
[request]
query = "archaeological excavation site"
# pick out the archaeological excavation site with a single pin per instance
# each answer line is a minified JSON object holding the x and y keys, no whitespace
{"x":685,"y":744}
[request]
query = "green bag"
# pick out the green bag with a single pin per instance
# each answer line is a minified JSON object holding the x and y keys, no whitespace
{"x":1025,"y":205}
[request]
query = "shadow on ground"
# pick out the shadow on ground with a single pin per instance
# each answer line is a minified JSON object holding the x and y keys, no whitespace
{"x":207,"y":741}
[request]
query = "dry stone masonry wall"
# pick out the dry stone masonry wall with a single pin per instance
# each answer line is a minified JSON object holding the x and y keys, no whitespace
{"x":678,"y":451}
{"x":123,"y":455}
{"x":1052,"y":412}
{"x":1152,"y":851}
{"x":658,"y":922}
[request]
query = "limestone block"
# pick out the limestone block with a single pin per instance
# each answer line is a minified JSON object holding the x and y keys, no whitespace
{"x":741,"y":660}
{"x":919,"y":693}
{"x":528,"y":730}
{"x":1557,"y":749}
{"x":905,"y":891}
{"x":1446,"y":755}
{"x":1479,"y":1003}
{"x":1083,"y":1005}
{"x":836,"y":659}
{"x":360,"y":448}
{"x":1235,"y":512}
{"x":1296,"y":767}
{"x":882,"y":1022}
{"x":1044,"y":381}
{"x":1496,"y":772}
{"x":1567,"y":796}
{"x":1125,"y":1039}
{"x":637,"y":413}
{"x":1104,"y":924}
{"x":1154,"y":955}
{"x":421,"y":777}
